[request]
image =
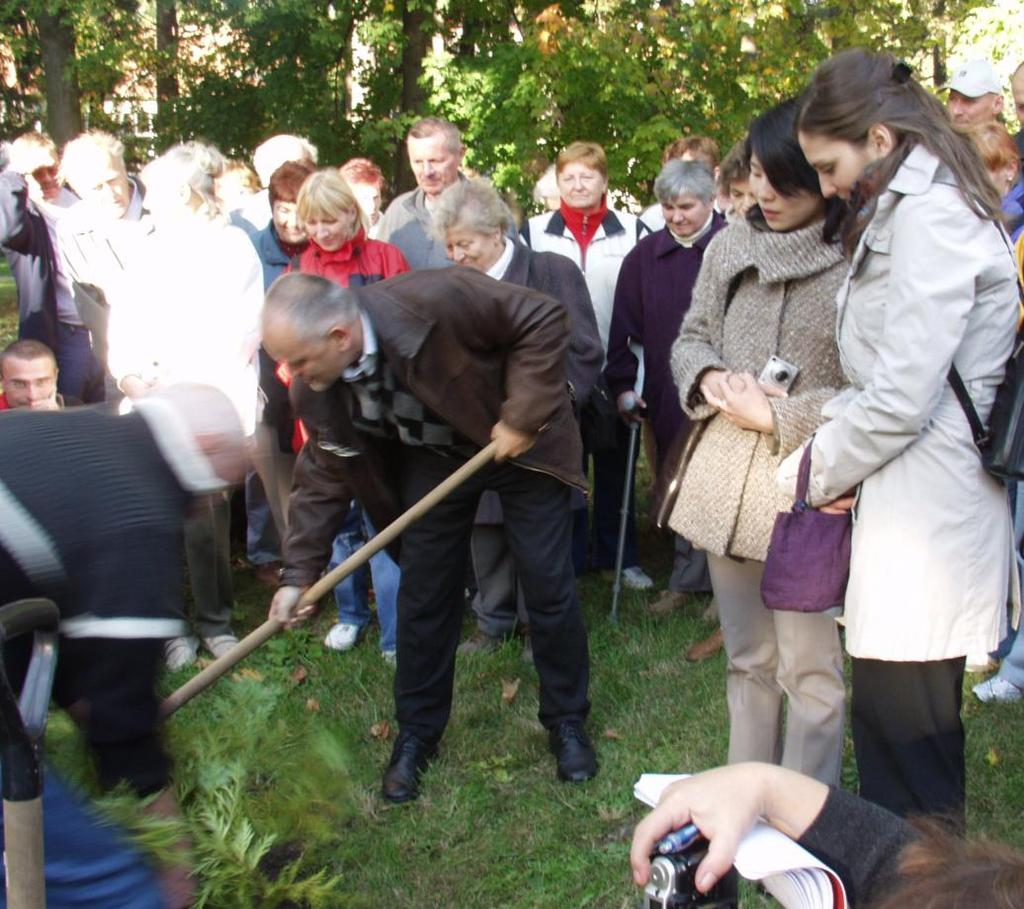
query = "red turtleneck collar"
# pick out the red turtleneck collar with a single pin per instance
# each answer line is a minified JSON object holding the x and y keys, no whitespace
{"x":584,"y":224}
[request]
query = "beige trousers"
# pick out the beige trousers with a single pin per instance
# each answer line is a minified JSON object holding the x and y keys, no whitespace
{"x":774,"y":655}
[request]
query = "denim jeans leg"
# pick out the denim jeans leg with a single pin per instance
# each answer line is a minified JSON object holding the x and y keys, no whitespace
{"x":351,"y":594}
{"x":261,"y":541}
{"x":386,"y":575}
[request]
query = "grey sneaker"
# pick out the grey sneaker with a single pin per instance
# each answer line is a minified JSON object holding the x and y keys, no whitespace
{"x":220,"y":644}
{"x":180,"y":652}
{"x":479,"y":643}
{"x":635,"y":578}
{"x":997,"y":690}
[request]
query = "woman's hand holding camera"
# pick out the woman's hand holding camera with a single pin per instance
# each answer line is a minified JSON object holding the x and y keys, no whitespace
{"x":725,"y":803}
{"x":741,"y":398}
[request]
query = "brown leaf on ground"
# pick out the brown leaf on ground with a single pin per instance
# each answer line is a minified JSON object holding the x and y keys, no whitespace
{"x":509,"y":690}
{"x":993,"y":757}
{"x":252,"y":675}
{"x":381,"y":730}
{"x":203,"y":662}
{"x":612,"y":734}
{"x":313,"y":705}
{"x":299,"y":674}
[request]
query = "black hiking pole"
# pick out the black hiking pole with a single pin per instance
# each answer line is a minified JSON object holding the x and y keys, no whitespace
{"x":627,"y":491}
{"x":21,"y":740}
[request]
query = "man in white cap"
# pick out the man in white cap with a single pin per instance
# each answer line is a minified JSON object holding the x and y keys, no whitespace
{"x":975,"y":95}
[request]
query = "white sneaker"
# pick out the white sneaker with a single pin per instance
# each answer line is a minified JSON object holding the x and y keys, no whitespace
{"x":343,"y":636}
{"x":635,"y":578}
{"x":180,"y":652}
{"x":220,"y":644}
{"x":997,"y":690}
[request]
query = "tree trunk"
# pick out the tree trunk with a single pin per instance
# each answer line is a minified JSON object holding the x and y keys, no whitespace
{"x":167,"y":88}
{"x":63,"y":96}
{"x":417,"y":19}
{"x":167,"y":48}
{"x":939,"y":73}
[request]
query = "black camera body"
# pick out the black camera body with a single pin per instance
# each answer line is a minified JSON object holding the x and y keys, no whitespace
{"x":672,"y":884}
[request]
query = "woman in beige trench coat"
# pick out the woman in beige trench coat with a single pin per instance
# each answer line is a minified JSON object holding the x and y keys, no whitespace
{"x":931,"y":284}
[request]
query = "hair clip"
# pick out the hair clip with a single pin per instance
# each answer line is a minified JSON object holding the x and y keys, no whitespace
{"x":901,"y":72}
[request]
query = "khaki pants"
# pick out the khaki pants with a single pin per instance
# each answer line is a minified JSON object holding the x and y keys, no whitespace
{"x":772,"y":654}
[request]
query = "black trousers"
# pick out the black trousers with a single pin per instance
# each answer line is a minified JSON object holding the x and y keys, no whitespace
{"x":908,"y":736}
{"x":435,"y":551}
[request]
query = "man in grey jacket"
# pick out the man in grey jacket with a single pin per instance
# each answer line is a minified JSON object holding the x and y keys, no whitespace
{"x":435,"y":154}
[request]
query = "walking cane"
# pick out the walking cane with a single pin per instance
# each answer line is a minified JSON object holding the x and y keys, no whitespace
{"x":202,"y":680}
{"x":627,"y":486}
{"x":21,"y":745}
{"x":627,"y":489}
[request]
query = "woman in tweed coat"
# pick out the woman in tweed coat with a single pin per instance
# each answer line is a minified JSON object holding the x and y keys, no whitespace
{"x":767,"y":287}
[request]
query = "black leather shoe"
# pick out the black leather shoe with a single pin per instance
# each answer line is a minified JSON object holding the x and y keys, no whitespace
{"x":573,"y":751}
{"x":409,"y":758}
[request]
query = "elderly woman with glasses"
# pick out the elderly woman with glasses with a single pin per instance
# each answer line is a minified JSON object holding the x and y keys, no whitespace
{"x":478,"y":229}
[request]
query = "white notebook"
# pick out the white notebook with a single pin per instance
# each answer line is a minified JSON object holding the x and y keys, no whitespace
{"x":788,"y":872}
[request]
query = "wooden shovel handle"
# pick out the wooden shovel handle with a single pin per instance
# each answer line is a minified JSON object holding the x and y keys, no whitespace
{"x":206,"y":677}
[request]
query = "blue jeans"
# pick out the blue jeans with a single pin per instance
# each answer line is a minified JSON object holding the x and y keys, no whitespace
{"x":80,"y":375}
{"x":352,"y":594}
{"x":262,"y":544}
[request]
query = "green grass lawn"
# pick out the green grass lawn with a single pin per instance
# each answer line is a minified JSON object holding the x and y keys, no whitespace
{"x":292,"y":748}
{"x":278,"y":767}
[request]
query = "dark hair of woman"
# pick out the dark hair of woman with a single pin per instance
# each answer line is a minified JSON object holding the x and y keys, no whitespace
{"x":772,"y":137}
{"x":941,"y":869}
{"x":855,"y":90}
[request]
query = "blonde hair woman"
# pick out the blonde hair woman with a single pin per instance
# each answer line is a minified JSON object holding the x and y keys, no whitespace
{"x":338,"y":246}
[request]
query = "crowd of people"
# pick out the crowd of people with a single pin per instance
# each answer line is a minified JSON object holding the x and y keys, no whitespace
{"x":865,"y":240}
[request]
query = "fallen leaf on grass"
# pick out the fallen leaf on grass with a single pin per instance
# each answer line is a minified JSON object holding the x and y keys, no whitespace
{"x":381,"y":730}
{"x":509,"y":690}
{"x":993,"y":757}
{"x":203,"y":662}
{"x":251,"y":675}
{"x":612,"y":734}
{"x":313,"y":705}
{"x":299,"y":674}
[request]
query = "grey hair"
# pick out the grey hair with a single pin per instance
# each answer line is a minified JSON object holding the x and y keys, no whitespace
{"x":472,"y":205}
{"x":691,"y":178}
{"x":434,"y":126}
{"x":195,"y":165}
{"x":310,"y":305}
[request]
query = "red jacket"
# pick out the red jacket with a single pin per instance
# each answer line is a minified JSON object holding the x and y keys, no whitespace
{"x":358,"y":263}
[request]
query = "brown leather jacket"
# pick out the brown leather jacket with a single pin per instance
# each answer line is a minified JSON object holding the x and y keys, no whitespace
{"x":471,"y":349}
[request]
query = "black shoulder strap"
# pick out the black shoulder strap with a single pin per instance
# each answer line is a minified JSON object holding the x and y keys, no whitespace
{"x":978,"y":430}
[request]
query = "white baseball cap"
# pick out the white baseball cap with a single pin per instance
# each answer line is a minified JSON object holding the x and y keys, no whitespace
{"x":974,"y":79}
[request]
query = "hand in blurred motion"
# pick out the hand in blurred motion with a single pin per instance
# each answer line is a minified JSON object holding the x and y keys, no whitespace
{"x":285,"y":608}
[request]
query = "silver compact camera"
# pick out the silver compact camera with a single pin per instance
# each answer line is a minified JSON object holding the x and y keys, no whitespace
{"x":672,"y":884}
{"x":779,"y":373}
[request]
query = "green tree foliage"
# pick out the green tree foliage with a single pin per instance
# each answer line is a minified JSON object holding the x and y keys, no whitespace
{"x":521,"y":78}
{"x":634,"y":76}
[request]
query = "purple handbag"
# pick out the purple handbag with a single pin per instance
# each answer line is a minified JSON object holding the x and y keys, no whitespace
{"x":808,"y":562}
